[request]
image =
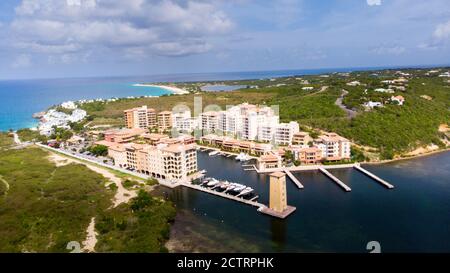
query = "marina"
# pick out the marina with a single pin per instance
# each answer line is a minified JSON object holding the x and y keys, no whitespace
{"x":294,"y":179}
{"x":376,"y":178}
{"x":335,"y":179}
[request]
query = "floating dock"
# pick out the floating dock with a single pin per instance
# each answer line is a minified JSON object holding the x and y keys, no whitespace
{"x":374,"y":177}
{"x":294,"y":179}
{"x":335,"y":179}
{"x":250,"y":202}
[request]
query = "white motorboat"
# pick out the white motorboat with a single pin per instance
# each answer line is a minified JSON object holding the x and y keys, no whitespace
{"x":213,"y":153}
{"x":242,"y":157}
{"x":239,"y":188}
{"x":231,"y":186}
{"x":225,"y":185}
{"x":213,"y":182}
{"x":247,"y":190}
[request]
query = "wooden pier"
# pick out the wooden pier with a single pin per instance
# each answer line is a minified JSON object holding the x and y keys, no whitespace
{"x":335,"y":179}
{"x":294,"y":179}
{"x":374,"y":177}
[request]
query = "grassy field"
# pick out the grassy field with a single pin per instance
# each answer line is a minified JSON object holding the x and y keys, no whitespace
{"x":143,"y":225}
{"x":43,"y":207}
{"x":6,"y":140}
{"x":28,"y":135}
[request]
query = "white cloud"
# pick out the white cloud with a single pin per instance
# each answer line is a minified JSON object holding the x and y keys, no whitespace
{"x":388,"y":50}
{"x":442,"y":31}
{"x":22,"y":61}
{"x":161,"y":27}
{"x":374,"y":2}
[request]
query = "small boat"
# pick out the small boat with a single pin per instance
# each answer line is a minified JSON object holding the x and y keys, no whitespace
{"x":239,"y":188}
{"x":246,"y":191}
{"x":213,"y":182}
{"x":242,"y":157}
{"x":213,"y":153}
{"x":231,"y":187}
{"x":225,"y":185}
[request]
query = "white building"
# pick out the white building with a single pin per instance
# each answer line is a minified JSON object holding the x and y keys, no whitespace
{"x":209,"y":121}
{"x":354,"y":83}
{"x":384,"y":90}
{"x":183,"y":122}
{"x":68,"y":105}
{"x":284,"y":132}
{"x":57,"y":119}
{"x":372,"y":104}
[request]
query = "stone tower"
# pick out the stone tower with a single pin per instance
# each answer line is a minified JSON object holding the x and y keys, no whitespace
{"x":278,"y":196}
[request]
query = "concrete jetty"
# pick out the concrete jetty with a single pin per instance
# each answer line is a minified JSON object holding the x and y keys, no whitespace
{"x":374,"y":177}
{"x":335,"y":179}
{"x":294,"y":179}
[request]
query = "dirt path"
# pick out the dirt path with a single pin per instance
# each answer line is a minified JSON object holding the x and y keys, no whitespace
{"x":122,"y":195}
{"x":6,"y":184}
{"x":323,"y":89}
{"x":91,"y":238}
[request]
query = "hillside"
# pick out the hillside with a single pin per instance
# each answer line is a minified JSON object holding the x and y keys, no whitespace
{"x":389,"y":130}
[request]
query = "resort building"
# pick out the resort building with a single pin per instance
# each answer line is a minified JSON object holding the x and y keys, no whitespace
{"x":140,"y":117}
{"x":164,"y":121}
{"x":230,"y":121}
{"x":123,"y":135}
{"x":209,"y":121}
{"x":234,"y":145}
{"x":173,"y":162}
{"x":306,"y":155}
{"x":333,"y":147}
{"x":284,"y":133}
{"x":183,"y":122}
{"x":269,"y":161}
{"x":301,"y":139}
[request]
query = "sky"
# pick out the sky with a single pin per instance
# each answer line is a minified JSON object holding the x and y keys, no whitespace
{"x":76,"y":38}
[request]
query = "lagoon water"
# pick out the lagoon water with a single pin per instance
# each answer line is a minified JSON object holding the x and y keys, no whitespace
{"x":413,"y":217}
{"x":219,"y":88}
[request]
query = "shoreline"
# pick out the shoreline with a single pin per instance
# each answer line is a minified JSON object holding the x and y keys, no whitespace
{"x":407,"y":158}
{"x":174,"y":90}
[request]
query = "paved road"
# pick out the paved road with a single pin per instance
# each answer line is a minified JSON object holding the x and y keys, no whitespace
{"x":350,"y":113}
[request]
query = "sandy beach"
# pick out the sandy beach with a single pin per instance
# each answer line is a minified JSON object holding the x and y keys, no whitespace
{"x":175,"y":90}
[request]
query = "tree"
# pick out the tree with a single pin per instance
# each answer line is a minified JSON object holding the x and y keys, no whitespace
{"x":99,"y":150}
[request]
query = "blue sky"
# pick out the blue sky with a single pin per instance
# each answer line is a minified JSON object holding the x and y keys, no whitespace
{"x":72,"y":38}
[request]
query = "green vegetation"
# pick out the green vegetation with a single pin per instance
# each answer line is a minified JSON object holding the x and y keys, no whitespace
{"x":6,"y":140}
{"x":98,"y":150}
{"x":30,"y":135}
{"x":61,"y":134}
{"x":151,"y":182}
{"x":64,"y":110}
{"x":142,"y":226}
{"x":46,"y":207}
{"x":130,"y":183}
